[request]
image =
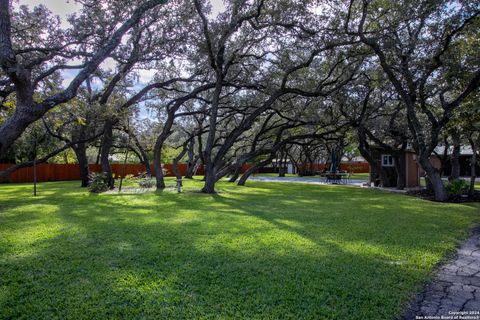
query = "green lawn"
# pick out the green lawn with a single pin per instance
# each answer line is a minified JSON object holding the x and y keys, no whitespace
{"x":360,"y":176}
{"x":264,"y":251}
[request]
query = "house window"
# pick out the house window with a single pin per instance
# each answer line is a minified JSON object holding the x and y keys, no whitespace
{"x":387,"y":160}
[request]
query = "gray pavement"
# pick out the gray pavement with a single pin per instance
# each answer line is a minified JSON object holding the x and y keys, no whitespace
{"x":312,"y":180}
{"x":455,"y":290}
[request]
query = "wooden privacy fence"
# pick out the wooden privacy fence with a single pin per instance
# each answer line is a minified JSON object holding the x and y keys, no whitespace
{"x":355,"y":167}
{"x":64,"y":172}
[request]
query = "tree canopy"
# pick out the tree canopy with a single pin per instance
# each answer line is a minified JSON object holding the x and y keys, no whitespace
{"x":251,"y":82}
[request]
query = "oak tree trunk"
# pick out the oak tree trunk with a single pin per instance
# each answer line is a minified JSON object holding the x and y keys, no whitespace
{"x":210,"y":178}
{"x":157,"y":163}
{"x":455,"y":157}
{"x":192,"y":160}
{"x":105,"y":152}
{"x":252,"y":169}
{"x":400,"y":170}
{"x":236,"y":174}
{"x":81,"y":154}
{"x":434,"y":178}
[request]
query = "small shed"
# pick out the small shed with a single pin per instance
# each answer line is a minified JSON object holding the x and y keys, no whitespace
{"x":404,"y":162}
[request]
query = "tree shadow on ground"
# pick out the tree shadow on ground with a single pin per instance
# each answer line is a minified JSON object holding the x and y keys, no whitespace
{"x":234,"y":254}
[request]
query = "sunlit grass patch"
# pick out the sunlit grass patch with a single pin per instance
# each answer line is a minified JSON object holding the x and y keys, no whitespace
{"x":266,"y":250}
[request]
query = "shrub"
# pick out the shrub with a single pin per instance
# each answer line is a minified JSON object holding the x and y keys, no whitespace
{"x":457,"y":187}
{"x":147,"y":183}
{"x":98,"y":182}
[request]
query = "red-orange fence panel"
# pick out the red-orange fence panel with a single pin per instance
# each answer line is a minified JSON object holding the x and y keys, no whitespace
{"x":64,"y":172}
{"x":355,"y":167}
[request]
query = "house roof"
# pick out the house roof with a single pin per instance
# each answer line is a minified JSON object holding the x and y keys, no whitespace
{"x":354,"y":159}
{"x":464,"y":150}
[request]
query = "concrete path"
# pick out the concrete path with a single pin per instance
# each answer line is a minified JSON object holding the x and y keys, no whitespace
{"x":312,"y":180}
{"x":455,"y":290}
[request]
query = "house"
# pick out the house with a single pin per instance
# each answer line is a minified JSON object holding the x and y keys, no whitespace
{"x":465,"y":157}
{"x":412,"y":172}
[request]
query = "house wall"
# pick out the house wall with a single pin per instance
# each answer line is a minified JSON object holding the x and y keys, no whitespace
{"x":465,"y":167}
{"x":435,"y":161}
{"x":412,"y":171}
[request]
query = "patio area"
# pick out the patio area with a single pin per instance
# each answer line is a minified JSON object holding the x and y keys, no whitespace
{"x":310,"y":180}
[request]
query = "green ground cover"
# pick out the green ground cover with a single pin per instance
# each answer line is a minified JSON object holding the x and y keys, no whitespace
{"x":264,"y":251}
{"x":477,"y":183}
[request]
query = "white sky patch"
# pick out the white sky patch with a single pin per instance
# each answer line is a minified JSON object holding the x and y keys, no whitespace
{"x":318,"y":9}
{"x":109,"y":64}
{"x":62,"y":8}
{"x":217,"y":7}
{"x":68,"y":76}
{"x":145,"y":75}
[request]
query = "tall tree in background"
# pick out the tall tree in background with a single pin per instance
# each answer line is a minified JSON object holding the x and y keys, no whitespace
{"x":413,"y":42}
{"x":28,"y":58}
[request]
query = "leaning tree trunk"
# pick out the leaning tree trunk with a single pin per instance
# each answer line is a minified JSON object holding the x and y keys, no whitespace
{"x":22,"y":117}
{"x":191,"y":168}
{"x":157,"y":162}
{"x":176,"y":171}
{"x":400,"y":170}
{"x":99,"y":153}
{"x":236,"y":174}
{"x":192,"y":160}
{"x":107,"y":141}
{"x":81,"y":154}
{"x":455,"y":157}
{"x":146,"y":163}
{"x":444,"y":156}
{"x":144,"y":156}
{"x":434,"y":178}
{"x":252,"y":169}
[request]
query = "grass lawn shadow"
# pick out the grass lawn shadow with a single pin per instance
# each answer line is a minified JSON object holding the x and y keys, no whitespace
{"x":264,"y":251}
